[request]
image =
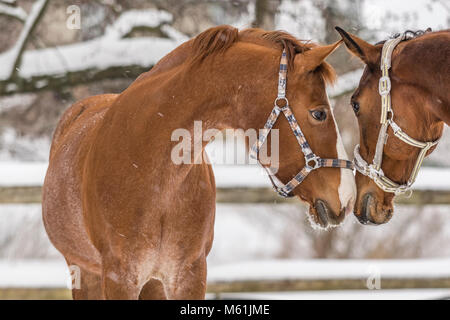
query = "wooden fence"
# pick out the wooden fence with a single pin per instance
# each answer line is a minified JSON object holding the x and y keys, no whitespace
{"x":32,"y":194}
{"x":217,"y":289}
{"x":257,"y":193}
{"x":255,"y":277}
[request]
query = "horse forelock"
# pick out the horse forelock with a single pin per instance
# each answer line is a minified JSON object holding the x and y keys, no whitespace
{"x":219,"y":39}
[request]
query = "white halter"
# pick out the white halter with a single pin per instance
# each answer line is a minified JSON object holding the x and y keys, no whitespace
{"x":374,"y":170}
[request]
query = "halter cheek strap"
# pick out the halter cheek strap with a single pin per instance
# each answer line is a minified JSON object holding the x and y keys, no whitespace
{"x":374,"y":170}
{"x":312,"y":161}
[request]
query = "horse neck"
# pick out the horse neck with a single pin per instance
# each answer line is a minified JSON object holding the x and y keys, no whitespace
{"x":425,"y":62}
{"x":149,"y":112}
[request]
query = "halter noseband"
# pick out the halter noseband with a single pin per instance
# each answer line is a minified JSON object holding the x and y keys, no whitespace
{"x":374,"y":170}
{"x":312,"y":161}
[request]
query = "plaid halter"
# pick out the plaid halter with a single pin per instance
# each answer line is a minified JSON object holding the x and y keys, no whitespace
{"x":312,"y":161}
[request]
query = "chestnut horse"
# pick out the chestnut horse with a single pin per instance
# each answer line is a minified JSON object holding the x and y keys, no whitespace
{"x":416,"y":79}
{"x":137,"y":224}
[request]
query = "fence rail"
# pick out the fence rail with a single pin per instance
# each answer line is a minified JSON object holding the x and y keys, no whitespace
{"x":32,"y":194}
{"x":266,"y":286}
{"x":48,"y":279}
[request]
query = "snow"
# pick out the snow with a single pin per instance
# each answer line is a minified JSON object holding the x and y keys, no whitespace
{"x":34,"y":274}
{"x":383,"y":294}
{"x":345,"y":83}
{"x":54,"y":273}
{"x":292,"y":18}
{"x":267,"y":231}
{"x":8,"y":58}
{"x":329,"y":269}
{"x":16,"y":12}
{"x":433,"y":179}
{"x":107,"y":51}
{"x":143,"y":18}
{"x":249,"y":241}
{"x":16,"y":101}
{"x":96,"y":54}
{"x":14,"y":146}
{"x":227,"y":176}
{"x":386,"y":17}
{"x":22,"y":174}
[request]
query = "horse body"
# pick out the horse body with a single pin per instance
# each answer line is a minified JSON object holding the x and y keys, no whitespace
{"x":137,"y":224}
{"x":420,"y":74}
{"x":74,"y":233}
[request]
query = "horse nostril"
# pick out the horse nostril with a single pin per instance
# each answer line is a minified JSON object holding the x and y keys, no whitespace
{"x":366,"y":208}
{"x":322,"y":213}
{"x":370,"y":214}
{"x":388,"y":213}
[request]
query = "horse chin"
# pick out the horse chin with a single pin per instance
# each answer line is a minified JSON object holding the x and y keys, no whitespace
{"x":320,"y":217}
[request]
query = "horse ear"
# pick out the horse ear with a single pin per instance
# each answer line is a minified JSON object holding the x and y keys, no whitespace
{"x":367,"y":52}
{"x":311,"y":59}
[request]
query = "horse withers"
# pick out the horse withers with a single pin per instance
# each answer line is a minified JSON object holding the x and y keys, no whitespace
{"x":402,"y":103}
{"x":139,"y":225}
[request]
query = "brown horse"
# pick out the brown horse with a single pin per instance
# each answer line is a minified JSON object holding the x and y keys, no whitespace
{"x":419,"y":90}
{"x":139,"y":225}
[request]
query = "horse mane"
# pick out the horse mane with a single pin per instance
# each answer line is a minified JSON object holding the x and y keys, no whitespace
{"x":218,"y":39}
{"x":213,"y":41}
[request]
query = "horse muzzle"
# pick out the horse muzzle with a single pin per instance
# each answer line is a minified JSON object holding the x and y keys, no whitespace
{"x":370,"y":213}
{"x":325,"y":216}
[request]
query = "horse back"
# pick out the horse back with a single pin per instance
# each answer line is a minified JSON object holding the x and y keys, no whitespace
{"x":78,"y":111}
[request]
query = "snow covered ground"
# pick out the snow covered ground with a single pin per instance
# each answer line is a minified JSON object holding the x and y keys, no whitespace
{"x":382,"y":294}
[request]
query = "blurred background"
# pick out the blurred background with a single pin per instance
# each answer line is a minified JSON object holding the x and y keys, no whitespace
{"x":53,"y":53}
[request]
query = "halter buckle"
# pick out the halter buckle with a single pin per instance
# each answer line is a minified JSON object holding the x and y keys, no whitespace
{"x":384,"y":86}
{"x":374,"y":173}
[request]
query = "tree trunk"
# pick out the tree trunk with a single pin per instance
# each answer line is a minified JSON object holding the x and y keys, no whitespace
{"x":265,"y":11}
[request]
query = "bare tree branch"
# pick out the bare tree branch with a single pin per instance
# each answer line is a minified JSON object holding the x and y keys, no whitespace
{"x":35,"y":15}
{"x":110,"y":56}
{"x":14,"y":12}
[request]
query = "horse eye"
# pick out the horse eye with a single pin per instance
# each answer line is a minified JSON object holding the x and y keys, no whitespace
{"x":319,"y":115}
{"x":355,"y":106}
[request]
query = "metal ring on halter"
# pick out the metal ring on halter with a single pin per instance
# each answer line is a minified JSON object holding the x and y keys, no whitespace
{"x":391,"y":118}
{"x":281,"y":99}
{"x":384,"y":91}
{"x":314,"y":159}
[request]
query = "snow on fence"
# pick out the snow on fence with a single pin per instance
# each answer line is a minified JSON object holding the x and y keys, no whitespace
{"x":22,"y":183}
{"x":257,"y":276}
